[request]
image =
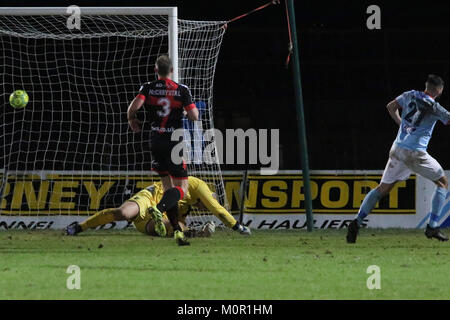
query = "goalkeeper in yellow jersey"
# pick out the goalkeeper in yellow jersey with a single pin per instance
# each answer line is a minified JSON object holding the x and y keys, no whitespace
{"x":137,"y":208}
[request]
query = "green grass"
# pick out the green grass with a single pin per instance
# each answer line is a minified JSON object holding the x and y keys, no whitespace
{"x":268,"y":265}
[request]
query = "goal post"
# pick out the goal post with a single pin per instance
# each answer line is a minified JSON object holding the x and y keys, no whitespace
{"x":69,"y":152}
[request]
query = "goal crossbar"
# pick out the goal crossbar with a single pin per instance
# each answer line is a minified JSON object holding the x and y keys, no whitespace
{"x":47,"y":11}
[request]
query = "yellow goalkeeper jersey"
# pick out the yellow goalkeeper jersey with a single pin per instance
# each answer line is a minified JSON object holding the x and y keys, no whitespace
{"x":198,"y":190}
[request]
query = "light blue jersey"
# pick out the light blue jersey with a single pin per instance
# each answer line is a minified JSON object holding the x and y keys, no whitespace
{"x":420,"y":113}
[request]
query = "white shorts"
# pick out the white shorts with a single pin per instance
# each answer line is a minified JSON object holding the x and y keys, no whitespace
{"x":402,"y":162}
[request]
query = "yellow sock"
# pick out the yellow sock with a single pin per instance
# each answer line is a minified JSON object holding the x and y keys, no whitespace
{"x":100,"y":218}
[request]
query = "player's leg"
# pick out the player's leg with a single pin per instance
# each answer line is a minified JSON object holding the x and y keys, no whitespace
{"x":177,"y":191}
{"x":169,"y":204}
{"x":372,"y":199}
{"x":395,"y":171}
{"x":178,"y":233}
{"x":150,"y":227}
{"x":166,"y":181}
{"x":157,"y":214}
{"x":367,"y":205}
{"x":127,"y":211}
{"x":438,"y":201}
{"x":146,"y":199}
{"x":171,"y":197}
{"x":180,"y":181}
{"x":177,"y":187}
{"x":161,"y":166}
{"x":209,"y":202}
{"x":429,"y":168}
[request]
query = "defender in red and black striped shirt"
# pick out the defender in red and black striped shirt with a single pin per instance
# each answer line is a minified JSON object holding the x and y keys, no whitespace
{"x":166,"y":102}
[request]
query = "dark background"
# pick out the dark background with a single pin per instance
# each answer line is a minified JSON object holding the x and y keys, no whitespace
{"x":349,"y":73}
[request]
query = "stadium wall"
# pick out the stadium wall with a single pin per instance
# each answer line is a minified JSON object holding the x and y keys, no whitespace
{"x":51,"y":200}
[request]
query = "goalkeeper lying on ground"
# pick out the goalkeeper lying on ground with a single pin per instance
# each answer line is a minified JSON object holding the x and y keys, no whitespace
{"x":136,"y":209}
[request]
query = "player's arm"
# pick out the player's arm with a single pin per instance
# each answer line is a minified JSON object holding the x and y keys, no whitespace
{"x":189,"y":107}
{"x":192,"y":114}
{"x":215,"y":208}
{"x":442,"y":113}
{"x":207,"y":199}
{"x":133,"y":108}
{"x":133,"y":121}
{"x":393,"y":108}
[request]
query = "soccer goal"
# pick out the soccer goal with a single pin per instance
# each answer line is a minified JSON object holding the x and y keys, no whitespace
{"x":70,"y":152}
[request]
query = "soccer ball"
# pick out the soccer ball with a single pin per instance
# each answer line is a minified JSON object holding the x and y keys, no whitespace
{"x":18,"y":99}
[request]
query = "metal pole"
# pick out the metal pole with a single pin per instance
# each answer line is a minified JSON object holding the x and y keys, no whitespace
{"x":300,"y":117}
{"x":173,"y":42}
{"x":243,"y":193}
{"x":3,"y":188}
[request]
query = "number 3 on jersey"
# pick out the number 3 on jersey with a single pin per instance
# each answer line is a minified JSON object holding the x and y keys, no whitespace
{"x":165,"y":103}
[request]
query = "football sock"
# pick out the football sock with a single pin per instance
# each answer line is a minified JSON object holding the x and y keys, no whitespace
{"x":368,"y":204}
{"x":436,"y":205}
{"x":100,"y":218}
{"x":172,"y":214}
{"x":170,"y":199}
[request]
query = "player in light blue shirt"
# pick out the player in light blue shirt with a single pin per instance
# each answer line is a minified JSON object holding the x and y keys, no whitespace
{"x":419,"y":114}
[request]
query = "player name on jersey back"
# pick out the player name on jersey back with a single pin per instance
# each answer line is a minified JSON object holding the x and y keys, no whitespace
{"x":164,"y":102}
{"x":164,"y":92}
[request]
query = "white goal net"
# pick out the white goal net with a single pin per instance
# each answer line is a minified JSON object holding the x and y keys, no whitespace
{"x":70,"y":151}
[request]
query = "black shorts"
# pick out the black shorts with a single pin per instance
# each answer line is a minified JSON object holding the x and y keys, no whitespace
{"x":161,"y":150}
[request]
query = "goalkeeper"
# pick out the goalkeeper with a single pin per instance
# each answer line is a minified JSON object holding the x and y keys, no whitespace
{"x":136,"y":209}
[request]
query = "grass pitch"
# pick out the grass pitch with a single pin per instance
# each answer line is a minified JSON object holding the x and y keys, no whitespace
{"x":267,"y":265}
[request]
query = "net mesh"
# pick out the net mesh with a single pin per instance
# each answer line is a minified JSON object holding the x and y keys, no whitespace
{"x":74,"y":129}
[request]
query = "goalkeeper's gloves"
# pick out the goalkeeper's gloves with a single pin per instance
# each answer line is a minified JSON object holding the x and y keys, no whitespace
{"x":202,"y":231}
